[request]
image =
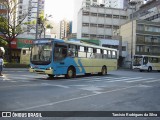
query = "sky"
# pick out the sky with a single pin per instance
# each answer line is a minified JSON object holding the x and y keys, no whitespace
{"x":60,"y":9}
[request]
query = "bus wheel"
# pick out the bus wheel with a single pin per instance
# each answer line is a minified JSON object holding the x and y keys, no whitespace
{"x":103,"y":71}
{"x":149,"y":69}
{"x":70,"y":73}
{"x":49,"y":75}
{"x":141,"y":70}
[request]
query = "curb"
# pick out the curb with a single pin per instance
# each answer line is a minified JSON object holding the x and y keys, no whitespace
{"x":15,"y":69}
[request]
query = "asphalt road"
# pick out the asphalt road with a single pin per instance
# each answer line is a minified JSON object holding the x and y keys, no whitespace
{"x":121,"y":90}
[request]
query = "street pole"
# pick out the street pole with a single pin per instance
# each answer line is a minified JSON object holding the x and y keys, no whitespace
{"x":37,"y":19}
{"x":132,"y":3}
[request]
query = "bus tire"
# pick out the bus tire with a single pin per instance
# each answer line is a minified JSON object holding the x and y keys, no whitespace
{"x":71,"y":73}
{"x":103,"y":71}
{"x":141,"y":70}
{"x":149,"y":69}
{"x":49,"y":75}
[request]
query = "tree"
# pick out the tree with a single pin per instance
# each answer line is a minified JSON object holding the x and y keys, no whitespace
{"x":11,"y":24}
{"x":43,"y":22}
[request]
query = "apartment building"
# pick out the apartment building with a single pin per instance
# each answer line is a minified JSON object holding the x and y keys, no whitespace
{"x":149,"y":11}
{"x":30,"y":8}
{"x":65,"y":29}
{"x":100,"y":22}
{"x":113,"y":3}
{"x":146,"y":37}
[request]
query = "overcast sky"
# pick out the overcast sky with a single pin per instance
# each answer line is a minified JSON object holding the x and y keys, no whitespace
{"x":60,"y":9}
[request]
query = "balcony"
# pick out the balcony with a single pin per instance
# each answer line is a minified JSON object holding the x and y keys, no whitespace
{"x":148,"y":43}
{"x":148,"y":53}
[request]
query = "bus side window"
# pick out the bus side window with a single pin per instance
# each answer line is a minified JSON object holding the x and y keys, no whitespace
{"x":82,"y":52}
{"x":109,"y":54}
{"x":90,"y":53}
{"x":24,"y":52}
{"x":104,"y":54}
{"x":98,"y":53}
{"x":145,"y":60}
{"x":72,"y":50}
{"x":113,"y":54}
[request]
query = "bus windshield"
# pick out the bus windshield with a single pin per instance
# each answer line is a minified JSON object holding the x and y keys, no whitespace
{"x":137,"y":60}
{"x":41,"y":54}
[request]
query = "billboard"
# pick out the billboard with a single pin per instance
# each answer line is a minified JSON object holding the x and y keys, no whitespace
{"x":19,"y":43}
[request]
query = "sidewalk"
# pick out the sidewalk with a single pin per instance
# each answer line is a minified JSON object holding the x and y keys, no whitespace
{"x":15,"y":69}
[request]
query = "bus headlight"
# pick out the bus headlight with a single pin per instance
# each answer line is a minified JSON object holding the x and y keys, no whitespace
{"x":48,"y":68}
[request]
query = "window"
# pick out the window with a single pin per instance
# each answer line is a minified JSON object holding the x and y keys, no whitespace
{"x":101,"y":25}
{"x":24,"y":52}
{"x":93,"y":35}
{"x":85,"y":13}
{"x":85,"y":35}
{"x":108,"y":26}
{"x":153,"y":60}
{"x":82,"y":51}
{"x":109,"y":54}
{"x":145,"y":60}
{"x":60,"y":52}
{"x":140,"y":39}
{"x":114,"y":54}
{"x":93,"y":14}
{"x":72,"y":51}
{"x":98,"y":53}
{"x":90,"y":53}
{"x":101,"y":15}
{"x":105,"y":56}
{"x":93,"y":25}
{"x":115,"y":16}
{"x":108,"y":15}
{"x":140,"y":27}
{"x":115,"y":27}
{"x":123,"y":17}
{"x":85,"y":24}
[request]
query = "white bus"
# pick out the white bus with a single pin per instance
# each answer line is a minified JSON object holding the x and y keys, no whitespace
{"x":146,"y":62}
{"x":25,"y":56}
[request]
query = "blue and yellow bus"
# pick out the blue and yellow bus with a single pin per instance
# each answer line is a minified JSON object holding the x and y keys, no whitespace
{"x":58,"y":57}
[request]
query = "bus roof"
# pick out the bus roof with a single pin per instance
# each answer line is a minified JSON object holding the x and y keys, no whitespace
{"x":148,"y":56}
{"x":48,"y":40}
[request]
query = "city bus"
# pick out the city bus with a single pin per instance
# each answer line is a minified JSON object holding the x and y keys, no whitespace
{"x":55,"y":57}
{"x":146,"y":62}
{"x":25,"y":56}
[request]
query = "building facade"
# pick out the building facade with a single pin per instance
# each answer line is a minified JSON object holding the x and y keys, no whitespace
{"x":65,"y":29}
{"x":100,"y":22}
{"x":149,"y":11}
{"x":30,"y":8}
{"x":146,"y":38}
{"x":113,"y":3}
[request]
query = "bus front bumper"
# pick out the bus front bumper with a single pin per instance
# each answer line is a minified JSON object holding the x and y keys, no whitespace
{"x":41,"y":71}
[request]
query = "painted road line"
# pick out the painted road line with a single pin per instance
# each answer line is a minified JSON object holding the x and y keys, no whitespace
{"x":144,"y":79}
{"x":124,"y":79}
{"x":76,"y":98}
{"x":152,"y":81}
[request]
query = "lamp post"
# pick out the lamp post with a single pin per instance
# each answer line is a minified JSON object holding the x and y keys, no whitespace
{"x":132,"y":3}
{"x":152,"y":40}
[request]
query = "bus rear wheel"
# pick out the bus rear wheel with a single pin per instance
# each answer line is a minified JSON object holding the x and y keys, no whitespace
{"x":49,"y":75}
{"x":149,"y":69}
{"x":70,"y":73}
{"x":103,"y":71}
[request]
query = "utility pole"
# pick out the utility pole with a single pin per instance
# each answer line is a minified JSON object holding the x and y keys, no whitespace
{"x":37,"y":20}
{"x":132,"y":3}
